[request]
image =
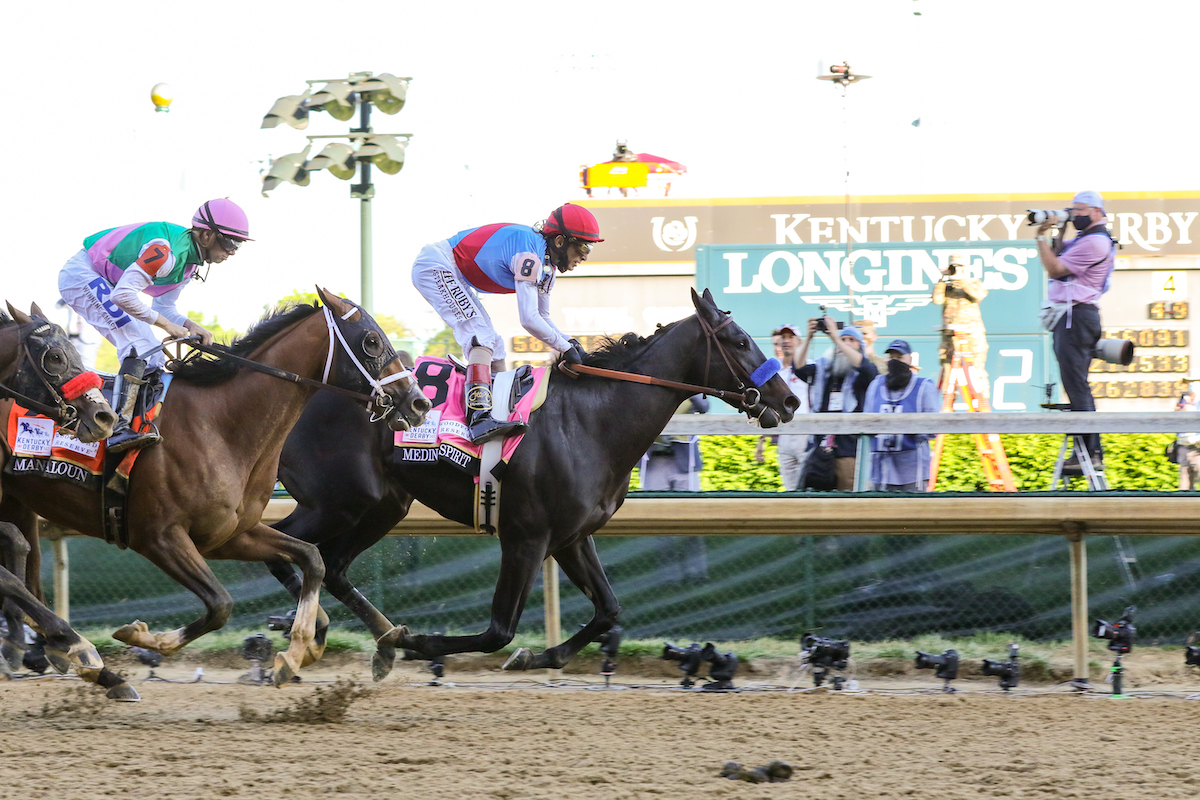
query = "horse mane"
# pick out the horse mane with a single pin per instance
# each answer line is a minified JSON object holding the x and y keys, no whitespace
{"x":208,"y":370}
{"x":621,"y":352}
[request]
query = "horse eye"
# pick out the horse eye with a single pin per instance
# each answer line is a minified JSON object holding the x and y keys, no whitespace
{"x":372,"y":345}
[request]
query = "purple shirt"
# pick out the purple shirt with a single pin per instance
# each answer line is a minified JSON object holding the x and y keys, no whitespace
{"x":1090,"y":260}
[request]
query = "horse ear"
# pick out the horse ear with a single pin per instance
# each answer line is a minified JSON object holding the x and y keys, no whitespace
{"x":705,"y":304}
{"x":21,"y":318}
{"x":37,"y":312}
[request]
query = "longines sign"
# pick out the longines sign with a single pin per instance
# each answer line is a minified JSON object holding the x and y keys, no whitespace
{"x":765,"y":286}
{"x":647,"y":231}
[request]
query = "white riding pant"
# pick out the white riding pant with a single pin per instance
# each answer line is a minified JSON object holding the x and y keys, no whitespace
{"x":88,"y":293}
{"x":439,"y":281}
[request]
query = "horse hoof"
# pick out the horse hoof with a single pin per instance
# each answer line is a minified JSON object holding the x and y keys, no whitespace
{"x":382,"y":662}
{"x":520,"y":659}
{"x":123,"y":693}
{"x":392,"y":637}
{"x":132,"y":633}
{"x":59,"y":661}
{"x":14,"y":656}
{"x":283,"y":671}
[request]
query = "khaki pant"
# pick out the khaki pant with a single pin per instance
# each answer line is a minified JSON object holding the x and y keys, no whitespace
{"x":844,"y":467}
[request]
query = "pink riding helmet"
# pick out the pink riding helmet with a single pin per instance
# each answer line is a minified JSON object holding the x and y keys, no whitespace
{"x":225,"y":217}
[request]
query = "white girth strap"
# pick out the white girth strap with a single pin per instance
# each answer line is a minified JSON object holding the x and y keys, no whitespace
{"x":490,"y":456}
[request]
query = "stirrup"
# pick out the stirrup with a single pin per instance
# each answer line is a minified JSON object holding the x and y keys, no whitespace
{"x":487,"y":428}
{"x":132,"y":440}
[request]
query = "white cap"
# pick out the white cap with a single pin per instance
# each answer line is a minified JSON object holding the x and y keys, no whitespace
{"x":1090,"y":198}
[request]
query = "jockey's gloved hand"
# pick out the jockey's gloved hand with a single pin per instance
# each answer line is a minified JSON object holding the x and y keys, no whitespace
{"x":575,"y":354}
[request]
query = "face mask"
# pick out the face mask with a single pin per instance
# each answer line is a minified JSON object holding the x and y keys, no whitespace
{"x":899,"y":374}
{"x":1081,"y":223}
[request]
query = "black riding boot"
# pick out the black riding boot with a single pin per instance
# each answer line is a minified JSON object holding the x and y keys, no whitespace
{"x":127,"y":396}
{"x":480,"y":424}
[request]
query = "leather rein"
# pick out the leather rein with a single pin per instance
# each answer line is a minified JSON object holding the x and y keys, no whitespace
{"x":747,"y":398}
{"x":379,"y":397}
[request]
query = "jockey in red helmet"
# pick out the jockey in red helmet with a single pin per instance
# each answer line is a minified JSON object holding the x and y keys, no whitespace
{"x":503,"y":258}
{"x":104,"y":282}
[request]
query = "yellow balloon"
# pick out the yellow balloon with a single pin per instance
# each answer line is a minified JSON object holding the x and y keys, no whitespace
{"x":161,"y":95}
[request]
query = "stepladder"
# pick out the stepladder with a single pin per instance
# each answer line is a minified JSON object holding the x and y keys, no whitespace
{"x":961,"y":379}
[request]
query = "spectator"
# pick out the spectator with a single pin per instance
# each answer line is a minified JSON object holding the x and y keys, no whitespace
{"x":959,"y":294}
{"x":838,"y":383}
{"x":1079,"y":272}
{"x":900,"y":462}
{"x":792,"y":448}
{"x":1187,"y":448}
{"x":673,"y":464}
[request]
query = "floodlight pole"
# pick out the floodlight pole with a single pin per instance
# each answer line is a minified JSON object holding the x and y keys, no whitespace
{"x":365,"y":191}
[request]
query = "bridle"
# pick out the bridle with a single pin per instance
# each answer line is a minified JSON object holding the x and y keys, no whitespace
{"x":748,"y":396}
{"x":59,"y":410}
{"x":381,"y":404}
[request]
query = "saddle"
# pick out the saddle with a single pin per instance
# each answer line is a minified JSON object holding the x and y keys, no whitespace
{"x":444,"y":437}
{"x":39,"y":448}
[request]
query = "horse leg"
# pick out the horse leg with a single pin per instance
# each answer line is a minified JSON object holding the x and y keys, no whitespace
{"x":64,"y":647}
{"x":263,"y":543}
{"x":582,"y":565}
{"x":343,"y":532}
{"x":519,"y":566}
{"x":13,"y":550}
{"x":175,"y":554}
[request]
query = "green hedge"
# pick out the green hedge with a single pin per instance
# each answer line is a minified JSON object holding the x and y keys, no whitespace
{"x":1132,"y":461}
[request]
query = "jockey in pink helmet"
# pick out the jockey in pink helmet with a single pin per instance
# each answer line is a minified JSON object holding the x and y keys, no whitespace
{"x":105,"y":280}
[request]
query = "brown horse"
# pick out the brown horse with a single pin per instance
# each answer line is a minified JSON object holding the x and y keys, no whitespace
{"x":201,"y":492}
{"x":40,"y":368}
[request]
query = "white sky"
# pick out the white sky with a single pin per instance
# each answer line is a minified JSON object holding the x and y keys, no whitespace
{"x":509,"y":99}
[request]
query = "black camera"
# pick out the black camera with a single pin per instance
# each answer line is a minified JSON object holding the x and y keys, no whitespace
{"x":257,"y":648}
{"x":946,"y":664}
{"x":828,"y":653}
{"x":689,"y":659}
{"x":721,"y":669}
{"x":1120,"y":633}
{"x":822,"y":327}
{"x":1009,"y":672}
{"x":282,"y":623}
{"x":1191,"y":656}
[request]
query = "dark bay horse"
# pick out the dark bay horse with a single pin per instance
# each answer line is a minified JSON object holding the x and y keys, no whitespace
{"x":565,"y":481}
{"x":39,"y":366}
{"x":201,"y":492}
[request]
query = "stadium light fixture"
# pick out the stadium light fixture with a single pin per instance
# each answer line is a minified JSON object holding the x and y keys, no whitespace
{"x":287,"y":169}
{"x":385,"y":151}
{"x":291,"y":109}
{"x":337,"y":158}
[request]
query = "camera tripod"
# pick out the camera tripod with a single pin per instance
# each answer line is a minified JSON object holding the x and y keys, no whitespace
{"x":958,"y":379}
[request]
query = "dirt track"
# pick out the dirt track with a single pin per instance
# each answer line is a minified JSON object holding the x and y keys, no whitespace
{"x":186,"y":740}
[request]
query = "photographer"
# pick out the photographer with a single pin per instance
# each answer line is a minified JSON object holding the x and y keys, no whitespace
{"x":838,"y":383}
{"x":1079,"y":272}
{"x":792,"y":448}
{"x":959,"y":294}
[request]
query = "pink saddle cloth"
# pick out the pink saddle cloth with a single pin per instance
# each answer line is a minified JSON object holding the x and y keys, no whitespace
{"x":443,"y":435}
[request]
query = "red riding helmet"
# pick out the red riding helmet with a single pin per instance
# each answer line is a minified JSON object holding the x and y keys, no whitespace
{"x":573,"y":222}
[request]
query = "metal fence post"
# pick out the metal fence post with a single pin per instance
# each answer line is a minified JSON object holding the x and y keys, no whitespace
{"x":553,"y":616}
{"x":1079,"y":604}
{"x":62,"y":578}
